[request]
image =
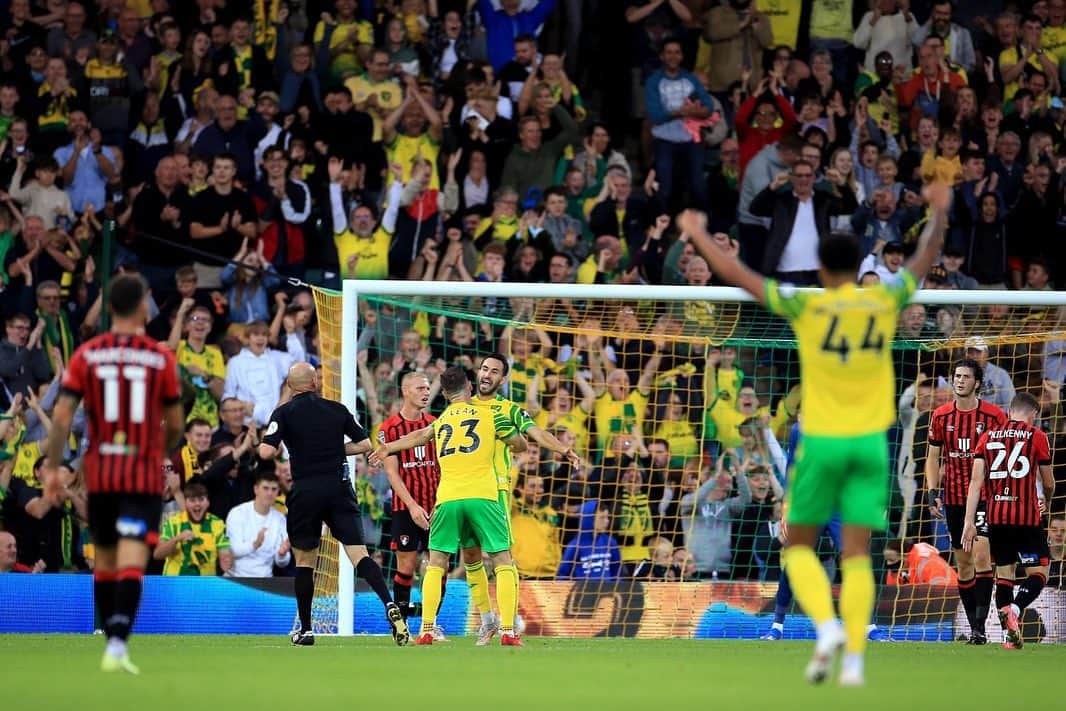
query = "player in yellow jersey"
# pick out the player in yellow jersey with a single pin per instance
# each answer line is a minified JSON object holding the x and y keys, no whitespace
{"x":491,"y":376}
{"x":844,"y":336}
{"x":466,"y":437}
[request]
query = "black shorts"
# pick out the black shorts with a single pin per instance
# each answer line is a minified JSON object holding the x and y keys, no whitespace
{"x":955,"y":516}
{"x":407,"y":536}
{"x":319,"y":500}
{"x":133,"y":516}
{"x":1018,"y":545}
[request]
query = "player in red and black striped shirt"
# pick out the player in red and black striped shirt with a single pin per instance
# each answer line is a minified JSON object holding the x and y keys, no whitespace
{"x":954,"y":429}
{"x":414,"y":476}
{"x":1004,"y":472}
{"x":129,"y":384}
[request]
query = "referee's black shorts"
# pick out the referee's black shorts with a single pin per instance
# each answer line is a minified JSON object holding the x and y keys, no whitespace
{"x":325,"y":499}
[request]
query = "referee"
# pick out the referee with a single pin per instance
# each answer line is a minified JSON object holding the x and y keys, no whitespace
{"x":313,"y":429}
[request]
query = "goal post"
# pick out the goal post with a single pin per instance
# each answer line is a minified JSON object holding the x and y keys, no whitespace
{"x":1020,"y":327}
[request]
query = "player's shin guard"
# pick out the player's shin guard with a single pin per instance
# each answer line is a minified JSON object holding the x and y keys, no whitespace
{"x":982,"y":598}
{"x":507,"y":596}
{"x":431,"y":595}
{"x":966,"y":595}
{"x":128,"y":584}
{"x":305,"y":594}
{"x":478,"y":580}
{"x":371,"y":572}
{"x":810,"y":585}
{"x":1029,"y":590}
{"x":104,"y":583}
{"x":401,"y":591}
{"x":857,"y":600}
{"x":1004,"y":593}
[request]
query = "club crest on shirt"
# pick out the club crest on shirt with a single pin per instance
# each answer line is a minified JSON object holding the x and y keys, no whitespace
{"x":980,"y":427}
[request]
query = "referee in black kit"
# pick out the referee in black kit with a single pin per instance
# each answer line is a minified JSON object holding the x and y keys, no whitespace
{"x":313,"y":430}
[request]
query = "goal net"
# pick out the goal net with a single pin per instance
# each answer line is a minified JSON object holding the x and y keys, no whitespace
{"x":681,"y":402}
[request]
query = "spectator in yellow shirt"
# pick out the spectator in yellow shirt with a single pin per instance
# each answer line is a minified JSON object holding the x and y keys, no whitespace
{"x":620,"y":407}
{"x":944,"y":165}
{"x":561,"y":412}
{"x":349,"y":41}
{"x":194,"y":542}
{"x":535,"y":528}
{"x":374,"y":92}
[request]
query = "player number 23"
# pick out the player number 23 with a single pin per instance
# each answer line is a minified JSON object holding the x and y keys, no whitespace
{"x":838,"y":342}
{"x":446,"y":432}
{"x":1017,"y":463}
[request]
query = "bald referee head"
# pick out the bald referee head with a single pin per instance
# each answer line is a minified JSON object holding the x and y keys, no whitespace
{"x":303,"y":378}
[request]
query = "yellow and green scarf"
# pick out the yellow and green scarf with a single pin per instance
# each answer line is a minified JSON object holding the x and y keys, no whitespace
{"x":57,"y":334}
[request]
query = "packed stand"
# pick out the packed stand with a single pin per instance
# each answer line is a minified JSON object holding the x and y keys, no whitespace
{"x":242,"y":151}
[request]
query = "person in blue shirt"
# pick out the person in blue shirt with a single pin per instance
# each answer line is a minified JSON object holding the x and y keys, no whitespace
{"x":678,"y":107}
{"x":504,"y":25}
{"x":594,"y":554}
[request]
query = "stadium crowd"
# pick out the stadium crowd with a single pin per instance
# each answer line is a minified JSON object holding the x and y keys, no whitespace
{"x":240,"y":152}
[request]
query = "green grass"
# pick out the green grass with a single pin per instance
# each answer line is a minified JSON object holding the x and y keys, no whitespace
{"x":368,"y":673}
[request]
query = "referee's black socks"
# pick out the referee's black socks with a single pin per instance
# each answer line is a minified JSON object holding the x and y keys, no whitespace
{"x":371,"y":572}
{"x":305,"y":594}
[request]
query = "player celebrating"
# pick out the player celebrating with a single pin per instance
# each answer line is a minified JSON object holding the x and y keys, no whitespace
{"x":844,"y":335}
{"x":313,"y":429}
{"x":414,"y":477}
{"x":491,"y":376}
{"x":783,"y":599}
{"x":1008,"y":455}
{"x":954,"y":430}
{"x":129,"y":383}
{"x":467,"y":499}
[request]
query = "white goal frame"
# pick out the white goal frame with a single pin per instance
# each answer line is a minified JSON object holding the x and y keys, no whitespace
{"x":352,"y":289}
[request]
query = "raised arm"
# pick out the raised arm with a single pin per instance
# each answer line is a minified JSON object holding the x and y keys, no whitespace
{"x":412,"y":439}
{"x":931,"y":240}
{"x":729,"y":269}
{"x":650,"y":370}
{"x":588,"y":395}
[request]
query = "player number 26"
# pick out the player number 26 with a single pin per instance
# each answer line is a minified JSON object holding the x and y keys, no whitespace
{"x":447,"y":432}
{"x":1017,"y":463}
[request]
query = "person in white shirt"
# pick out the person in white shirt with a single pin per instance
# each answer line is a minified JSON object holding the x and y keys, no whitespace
{"x":886,"y":260}
{"x":257,"y":533}
{"x":257,"y":373}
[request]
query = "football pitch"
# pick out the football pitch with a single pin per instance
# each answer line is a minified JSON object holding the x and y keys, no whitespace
{"x":231,"y":673}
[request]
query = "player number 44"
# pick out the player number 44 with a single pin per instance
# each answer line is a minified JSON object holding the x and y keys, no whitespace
{"x":1017,"y":463}
{"x":838,"y":342}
